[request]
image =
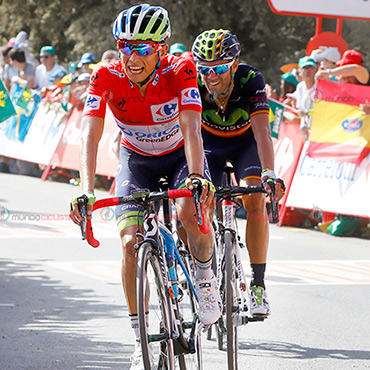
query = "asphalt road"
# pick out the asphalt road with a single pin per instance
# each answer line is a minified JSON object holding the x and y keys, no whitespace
{"x":61,"y":302}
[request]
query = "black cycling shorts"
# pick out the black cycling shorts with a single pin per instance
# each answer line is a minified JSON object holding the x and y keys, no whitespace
{"x":241,"y":151}
{"x":137,"y":171}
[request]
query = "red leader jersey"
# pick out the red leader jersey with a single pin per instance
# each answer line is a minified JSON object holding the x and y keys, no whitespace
{"x":150,"y":124}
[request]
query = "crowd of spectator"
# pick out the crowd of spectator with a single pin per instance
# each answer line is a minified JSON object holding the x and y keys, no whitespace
{"x":298,"y":86}
{"x":21,"y":71}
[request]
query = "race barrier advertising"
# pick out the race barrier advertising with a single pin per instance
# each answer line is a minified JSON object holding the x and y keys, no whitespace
{"x":315,"y":179}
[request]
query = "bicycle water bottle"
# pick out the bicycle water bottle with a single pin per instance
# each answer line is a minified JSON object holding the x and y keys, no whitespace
{"x":169,"y":247}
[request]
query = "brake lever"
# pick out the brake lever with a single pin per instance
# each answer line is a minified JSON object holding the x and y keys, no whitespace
{"x":82,"y":201}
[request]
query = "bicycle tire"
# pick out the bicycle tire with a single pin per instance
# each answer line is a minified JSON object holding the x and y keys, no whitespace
{"x":153,"y":298}
{"x":187,"y":308}
{"x":231,"y":328}
{"x":214,"y":269}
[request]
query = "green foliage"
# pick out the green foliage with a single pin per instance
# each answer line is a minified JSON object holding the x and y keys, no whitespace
{"x":268,"y":40}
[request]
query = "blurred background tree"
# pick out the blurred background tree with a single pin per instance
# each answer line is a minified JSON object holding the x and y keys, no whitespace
{"x":268,"y":40}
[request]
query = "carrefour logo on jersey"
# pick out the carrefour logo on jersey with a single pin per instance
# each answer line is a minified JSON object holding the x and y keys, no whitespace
{"x":92,"y":102}
{"x":190,"y":96}
{"x":165,"y":112}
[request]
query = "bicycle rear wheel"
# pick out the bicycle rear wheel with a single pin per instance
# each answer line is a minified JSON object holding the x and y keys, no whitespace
{"x":155,"y":331}
{"x":187,"y":309}
{"x":230,"y":311}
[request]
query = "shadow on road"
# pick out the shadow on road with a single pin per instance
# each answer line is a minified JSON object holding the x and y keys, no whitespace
{"x":296,"y":352}
{"x":57,"y":328}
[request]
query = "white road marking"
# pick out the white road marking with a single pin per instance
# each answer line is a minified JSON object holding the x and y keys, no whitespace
{"x":298,"y":272}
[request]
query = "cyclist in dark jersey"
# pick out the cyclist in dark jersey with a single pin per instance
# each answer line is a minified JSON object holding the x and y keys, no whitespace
{"x":155,"y":101}
{"x":235,"y":127}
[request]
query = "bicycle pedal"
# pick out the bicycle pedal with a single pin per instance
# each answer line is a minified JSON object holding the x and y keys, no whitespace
{"x":241,"y":320}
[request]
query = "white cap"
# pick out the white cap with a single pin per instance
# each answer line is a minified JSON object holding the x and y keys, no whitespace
{"x":83,"y":77}
{"x":331,"y":53}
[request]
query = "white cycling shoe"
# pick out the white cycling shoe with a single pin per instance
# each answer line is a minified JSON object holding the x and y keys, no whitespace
{"x":210,"y":304}
{"x":137,"y":359}
{"x":260,"y":305}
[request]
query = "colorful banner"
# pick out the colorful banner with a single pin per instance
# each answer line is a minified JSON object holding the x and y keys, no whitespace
{"x":287,"y":152}
{"x":339,"y":130}
{"x":6,"y":106}
{"x":276,"y":116}
{"x":68,"y":151}
{"x":41,"y":139}
{"x":330,"y":186}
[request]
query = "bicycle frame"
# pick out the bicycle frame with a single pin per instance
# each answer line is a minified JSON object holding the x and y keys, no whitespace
{"x":163,"y":246}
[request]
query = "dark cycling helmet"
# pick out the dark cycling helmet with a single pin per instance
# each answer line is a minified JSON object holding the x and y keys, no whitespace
{"x":142,"y":22}
{"x":214,"y":45}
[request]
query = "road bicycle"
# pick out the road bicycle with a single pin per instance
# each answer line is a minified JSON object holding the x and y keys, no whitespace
{"x":230,"y":275}
{"x":170,"y":331}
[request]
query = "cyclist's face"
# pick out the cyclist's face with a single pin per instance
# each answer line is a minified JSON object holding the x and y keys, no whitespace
{"x":138,"y":68}
{"x":217,"y":84}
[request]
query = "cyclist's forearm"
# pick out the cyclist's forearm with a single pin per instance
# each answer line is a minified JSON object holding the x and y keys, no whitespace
{"x":193,"y":143}
{"x":262,"y":135}
{"x":92,"y":129}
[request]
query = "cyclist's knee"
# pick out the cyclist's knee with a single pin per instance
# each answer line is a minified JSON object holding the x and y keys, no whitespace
{"x":129,"y":240}
{"x":254,"y":203}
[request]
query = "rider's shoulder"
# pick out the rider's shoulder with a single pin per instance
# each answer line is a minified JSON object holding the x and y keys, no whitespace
{"x":114,"y":67}
{"x":246,"y":69}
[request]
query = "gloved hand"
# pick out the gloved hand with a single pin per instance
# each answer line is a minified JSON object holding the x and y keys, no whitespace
{"x":89,"y":199}
{"x":205,"y":188}
{"x":272,"y":184}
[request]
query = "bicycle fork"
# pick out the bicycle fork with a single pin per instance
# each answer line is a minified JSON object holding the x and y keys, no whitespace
{"x":242,"y":295}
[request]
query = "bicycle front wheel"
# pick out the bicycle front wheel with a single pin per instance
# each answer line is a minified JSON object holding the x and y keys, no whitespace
{"x":153,"y":312}
{"x":187,"y":306}
{"x":230,"y":309}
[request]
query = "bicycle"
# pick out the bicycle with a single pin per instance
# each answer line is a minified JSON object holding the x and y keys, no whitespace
{"x":231,"y":278}
{"x":171,"y":335}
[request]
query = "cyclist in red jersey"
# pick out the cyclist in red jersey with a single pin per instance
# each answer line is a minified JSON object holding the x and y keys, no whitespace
{"x":155,"y":101}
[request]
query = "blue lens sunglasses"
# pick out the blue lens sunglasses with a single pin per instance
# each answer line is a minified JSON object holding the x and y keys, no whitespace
{"x":218,"y":70}
{"x":141,"y":49}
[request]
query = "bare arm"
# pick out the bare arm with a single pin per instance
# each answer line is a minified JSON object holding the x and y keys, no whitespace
{"x":261,"y":130}
{"x":92,"y":130}
{"x":361,"y":73}
{"x":193,"y":142}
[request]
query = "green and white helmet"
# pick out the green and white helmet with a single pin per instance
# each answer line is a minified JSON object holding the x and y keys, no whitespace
{"x":214,"y":45}
{"x":142,"y":22}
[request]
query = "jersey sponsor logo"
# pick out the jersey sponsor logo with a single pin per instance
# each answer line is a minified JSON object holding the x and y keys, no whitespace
{"x":172,"y":66}
{"x":119,"y":74}
{"x":94,"y":79}
{"x":261,"y":91}
{"x":156,"y":78}
{"x":165,"y":112}
{"x":93,"y":102}
{"x":190,"y":96}
{"x":121,"y":103}
{"x":161,"y":135}
{"x":188,"y":71}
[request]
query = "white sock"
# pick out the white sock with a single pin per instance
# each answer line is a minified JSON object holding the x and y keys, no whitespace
{"x":134,"y":319}
{"x":204,"y":270}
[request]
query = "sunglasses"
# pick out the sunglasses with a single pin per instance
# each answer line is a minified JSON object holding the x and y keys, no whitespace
{"x":44,"y":56}
{"x":218,"y":70}
{"x":141,"y":49}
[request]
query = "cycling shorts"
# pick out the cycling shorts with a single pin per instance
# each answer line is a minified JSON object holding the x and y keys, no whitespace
{"x":241,"y":151}
{"x":137,"y":171}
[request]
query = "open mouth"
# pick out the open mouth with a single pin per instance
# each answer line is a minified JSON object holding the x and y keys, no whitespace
{"x":135,"y":70}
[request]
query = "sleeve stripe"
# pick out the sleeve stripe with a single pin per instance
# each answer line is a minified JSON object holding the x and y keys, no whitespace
{"x":263,"y":111}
